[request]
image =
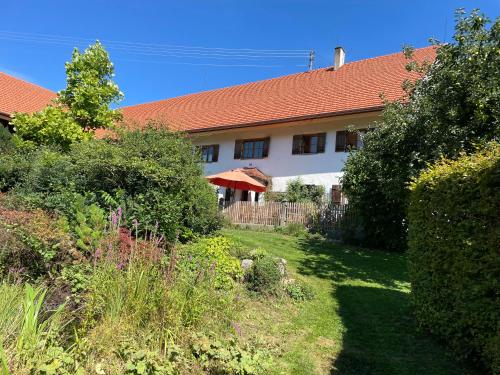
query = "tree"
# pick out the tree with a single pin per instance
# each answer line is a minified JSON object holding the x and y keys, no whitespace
{"x":90,"y":89}
{"x":51,"y":126}
{"x":452,"y":108}
{"x":80,"y":108}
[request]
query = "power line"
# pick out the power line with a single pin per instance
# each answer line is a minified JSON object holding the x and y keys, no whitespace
{"x":205,"y":64}
{"x":159,"y":49}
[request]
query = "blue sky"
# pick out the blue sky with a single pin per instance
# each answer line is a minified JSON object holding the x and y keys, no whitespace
{"x":365,"y":28}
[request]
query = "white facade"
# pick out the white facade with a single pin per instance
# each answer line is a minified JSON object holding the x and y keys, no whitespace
{"x":315,"y":169}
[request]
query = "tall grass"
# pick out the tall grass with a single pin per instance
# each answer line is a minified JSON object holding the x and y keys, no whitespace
{"x":23,"y":328}
{"x":11,"y":312}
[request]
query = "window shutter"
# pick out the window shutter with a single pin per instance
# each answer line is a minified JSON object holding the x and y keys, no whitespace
{"x":340,"y":141}
{"x":215,"y":156}
{"x":352,"y":140}
{"x":238,"y":145}
{"x":265,"y":152}
{"x":321,"y":142}
{"x":297,"y":142}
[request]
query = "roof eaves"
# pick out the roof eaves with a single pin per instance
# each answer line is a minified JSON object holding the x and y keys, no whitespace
{"x":5,"y":116}
{"x":288,"y":119}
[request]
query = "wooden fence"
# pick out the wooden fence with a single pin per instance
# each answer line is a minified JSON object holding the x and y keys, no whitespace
{"x":325,"y":217}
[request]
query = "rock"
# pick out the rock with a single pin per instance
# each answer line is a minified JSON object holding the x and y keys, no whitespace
{"x":281,"y":264}
{"x":246,"y":264}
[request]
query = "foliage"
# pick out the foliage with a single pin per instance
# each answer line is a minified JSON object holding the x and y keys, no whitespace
{"x":137,"y":294}
{"x":264,"y":276}
{"x":454,"y":106}
{"x":152,"y":174}
{"x":258,"y":253}
{"x":158,"y":177}
{"x":51,"y":126}
{"x":297,"y":191}
{"x":144,"y":362}
{"x":292,"y":229}
{"x":299,"y":291}
{"x":83,"y":106}
{"x":89,"y":225}
{"x":5,"y":138}
{"x":213,"y":253}
{"x":26,"y":334}
{"x":32,"y":244}
{"x":50,"y":172}
{"x":454,"y":258}
{"x":90,"y":88}
{"x":15,"y":163}
{"x":78,"y":277}
{"x":229,"y":358}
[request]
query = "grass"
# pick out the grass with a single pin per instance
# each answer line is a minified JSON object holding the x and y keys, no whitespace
{"x":360,"y":321}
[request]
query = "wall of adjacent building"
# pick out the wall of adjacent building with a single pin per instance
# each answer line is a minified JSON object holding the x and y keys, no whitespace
{"x":316,"y":169}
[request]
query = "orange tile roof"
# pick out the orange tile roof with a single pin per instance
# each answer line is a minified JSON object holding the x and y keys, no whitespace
{"x":354,"y":87}
{"x":17,"y":95}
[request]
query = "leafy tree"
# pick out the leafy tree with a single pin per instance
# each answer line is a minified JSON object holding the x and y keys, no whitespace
{"x":90,"y":88}
{"x":454,"y":106}
{"x":51,"y":126}
{"x":83,"y":106}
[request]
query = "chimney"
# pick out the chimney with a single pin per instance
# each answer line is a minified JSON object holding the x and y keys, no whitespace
{"x":339,"y":57}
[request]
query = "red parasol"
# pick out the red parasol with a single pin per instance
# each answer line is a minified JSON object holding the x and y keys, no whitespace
{"x":236,"y":180}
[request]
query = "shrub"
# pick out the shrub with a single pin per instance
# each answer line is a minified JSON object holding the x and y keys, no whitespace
{"x":217,"y":357}
{"x":213,"y":253}
{"x":50,"y":172}
{"x":152,"y":174}
{"x":299,"y":291}
{"x":258,"y":253}
{"x":453,"y":252}
{"x":264,"y":276}
{"x":293,"y":229}
{"x":446,"y":112}
{"x":32,"y":244}
{"x":297,"y":191}
{"x":158,"y":177}
{"x":14,"y":165}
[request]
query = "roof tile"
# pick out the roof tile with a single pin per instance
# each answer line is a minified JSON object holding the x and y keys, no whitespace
{"x":354,"y":86}
{"x":17,"y":95}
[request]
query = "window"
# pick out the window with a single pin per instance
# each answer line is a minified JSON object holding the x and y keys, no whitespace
{"x":336,"y":194}
{"x":308,"y":144}
{"x":349,"y":140}
{"x":210,"y":153}
{"x":244,"y":195}
{"x":251,"y":148}
{"x":227,"y":196}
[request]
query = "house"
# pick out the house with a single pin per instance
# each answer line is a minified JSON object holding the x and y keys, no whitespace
{"x":286,"y":127}
{"x":17,"y":95}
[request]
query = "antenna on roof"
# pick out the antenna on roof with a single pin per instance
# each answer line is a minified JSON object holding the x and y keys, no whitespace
{"x":311,"y":60}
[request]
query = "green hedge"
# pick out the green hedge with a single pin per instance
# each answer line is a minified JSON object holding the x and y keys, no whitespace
{"x":153,"y":175}
{"x":454,"y":253}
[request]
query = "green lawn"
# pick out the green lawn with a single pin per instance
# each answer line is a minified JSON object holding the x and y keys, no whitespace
{"x":360,"y":321}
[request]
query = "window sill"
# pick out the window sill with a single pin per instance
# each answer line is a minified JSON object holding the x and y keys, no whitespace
{"x":252,"y":158}
{"x":308,"y":153}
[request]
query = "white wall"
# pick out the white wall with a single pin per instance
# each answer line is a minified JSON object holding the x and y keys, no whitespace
{"x":318,"y":169}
